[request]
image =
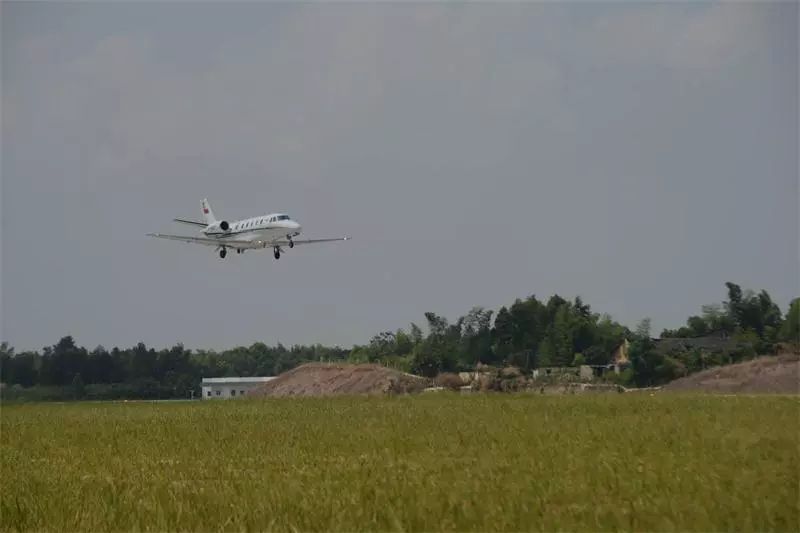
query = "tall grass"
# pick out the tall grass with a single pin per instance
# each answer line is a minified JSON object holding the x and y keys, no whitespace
{"x":425,"y":463}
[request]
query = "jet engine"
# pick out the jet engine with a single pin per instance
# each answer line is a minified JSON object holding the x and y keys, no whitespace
{"x":221,"y":226}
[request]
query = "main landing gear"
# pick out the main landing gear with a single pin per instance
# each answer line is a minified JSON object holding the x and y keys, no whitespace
{"x":222,"y":253}
{"x":277,"y":253}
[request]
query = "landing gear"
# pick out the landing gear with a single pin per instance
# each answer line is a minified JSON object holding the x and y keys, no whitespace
{"x":222,"y":253}
{"x":291,"y":242}
{"x":277,"y":253}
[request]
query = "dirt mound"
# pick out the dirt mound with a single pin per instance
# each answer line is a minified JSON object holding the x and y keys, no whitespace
{"x":323,"y":379}
{"x":768,"y":374}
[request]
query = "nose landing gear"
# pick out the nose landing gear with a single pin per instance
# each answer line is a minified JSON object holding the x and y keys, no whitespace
{"x":291,"y":242}
{"x":222,"y":253}
{"x":277,"y":253}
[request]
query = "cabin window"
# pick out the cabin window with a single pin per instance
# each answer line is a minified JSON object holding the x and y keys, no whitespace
{"x":233,"y":392}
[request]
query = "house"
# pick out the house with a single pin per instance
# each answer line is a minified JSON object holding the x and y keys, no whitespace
{"x":715,"y":342}
{"x":232,"y":387}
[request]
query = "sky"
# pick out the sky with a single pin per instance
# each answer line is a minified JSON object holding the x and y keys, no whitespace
{"x":637,"y":155}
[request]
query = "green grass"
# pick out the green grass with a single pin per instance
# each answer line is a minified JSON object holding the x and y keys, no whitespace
{"x":425,"y":463}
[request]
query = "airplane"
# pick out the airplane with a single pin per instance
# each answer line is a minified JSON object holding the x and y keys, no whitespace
{"x":276,"y":231}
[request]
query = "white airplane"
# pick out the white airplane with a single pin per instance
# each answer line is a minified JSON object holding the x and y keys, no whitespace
{"x":274,"y":231}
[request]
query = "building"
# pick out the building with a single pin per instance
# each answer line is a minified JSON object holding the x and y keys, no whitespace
{"x":719,"y":342}
{"x":555,"y":371}
{"x":619,"y":356}
{"x":222,"y":388}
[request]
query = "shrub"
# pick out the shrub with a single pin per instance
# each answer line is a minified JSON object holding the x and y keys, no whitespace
{"x":449,"y":380}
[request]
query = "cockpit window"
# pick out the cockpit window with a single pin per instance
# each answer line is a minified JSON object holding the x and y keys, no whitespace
{"x":283,"y":217}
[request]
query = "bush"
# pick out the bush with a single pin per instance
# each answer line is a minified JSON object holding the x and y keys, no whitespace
{"x":449,"y":380}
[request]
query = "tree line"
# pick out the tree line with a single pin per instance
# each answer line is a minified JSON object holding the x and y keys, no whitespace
{"x":528,"y":334}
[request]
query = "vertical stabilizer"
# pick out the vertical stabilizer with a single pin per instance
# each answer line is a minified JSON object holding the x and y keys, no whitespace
{"x":208,"y":214}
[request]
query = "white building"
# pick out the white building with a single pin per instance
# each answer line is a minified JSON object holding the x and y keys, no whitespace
{"x":221,"y":388}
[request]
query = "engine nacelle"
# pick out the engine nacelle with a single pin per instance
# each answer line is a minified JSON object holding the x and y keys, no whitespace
{"x":222,"y":226}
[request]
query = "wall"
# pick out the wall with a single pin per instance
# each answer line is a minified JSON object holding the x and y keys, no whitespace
{"x":225,"y":390}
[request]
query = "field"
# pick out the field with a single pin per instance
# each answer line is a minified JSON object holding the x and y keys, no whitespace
{"x":424,"y":463}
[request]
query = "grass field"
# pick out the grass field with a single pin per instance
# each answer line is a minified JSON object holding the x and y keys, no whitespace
{"x":425,"y":463}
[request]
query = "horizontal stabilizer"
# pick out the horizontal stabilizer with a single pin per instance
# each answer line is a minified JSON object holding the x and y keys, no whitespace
{"x":190,"y":222}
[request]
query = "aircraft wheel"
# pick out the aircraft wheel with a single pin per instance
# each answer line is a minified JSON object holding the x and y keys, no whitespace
{"x":277,"y":253}
{"x":223,"y":253}
{"x":291,"y":243}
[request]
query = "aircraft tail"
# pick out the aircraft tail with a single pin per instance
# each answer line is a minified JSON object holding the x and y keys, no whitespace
{"x":208,"y":214}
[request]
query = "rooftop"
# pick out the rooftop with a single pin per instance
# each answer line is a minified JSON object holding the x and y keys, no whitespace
{"x":222,"y":381}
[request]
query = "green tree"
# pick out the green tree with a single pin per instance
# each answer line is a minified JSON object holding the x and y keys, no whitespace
{"x":790,"y":331}
{"x":503,"y":334}
{"x":643,"y":328}
{"x":437,"y":353}
{"x":78,"y":389}
{"x":697,"y":326}
{"x":416,"y":334}
{"x":403,"y":343}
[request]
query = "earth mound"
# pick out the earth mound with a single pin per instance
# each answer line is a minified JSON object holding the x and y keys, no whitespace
{"x":767,"y":374}
{"x":325,"y":379}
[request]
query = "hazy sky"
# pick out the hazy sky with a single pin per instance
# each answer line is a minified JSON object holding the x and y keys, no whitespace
{"x":638,"y":155}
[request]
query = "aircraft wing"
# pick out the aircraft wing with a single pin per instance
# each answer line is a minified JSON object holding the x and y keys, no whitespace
{"x":230,"y":243}
{"x":284,"y":242}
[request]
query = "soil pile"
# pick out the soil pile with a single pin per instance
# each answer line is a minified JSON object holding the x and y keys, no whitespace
{"x":324,"y":379}
{"x":768,"y":374}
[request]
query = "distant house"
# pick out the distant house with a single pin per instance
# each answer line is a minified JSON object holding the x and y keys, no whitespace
{"x":555,"y":371}
{"x":715,"y":342}
{"x":221,"y":388}
{"x":619,"y":356}
{"x":619,"y":361}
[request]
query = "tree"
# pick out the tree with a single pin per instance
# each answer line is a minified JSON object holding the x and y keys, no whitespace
{"x":62,"y":361}
{"x":756,"y":312}
{"x":643,"y":328}
{"x":142,"y":362}
{"x":644,"y":361}
{"x":503,"y":334}
{"x":416,"y":334}
{"x":78,"y":389}
{"x":697,"y":326}
{"x":562,"y":337}
{"x":437,"y":353}
{"x":6,"y":350}
{"x":403,"y":343}
{"x":790,"y":331}
{"x":734,"y":303}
